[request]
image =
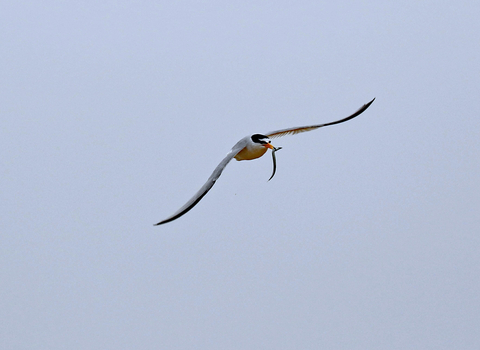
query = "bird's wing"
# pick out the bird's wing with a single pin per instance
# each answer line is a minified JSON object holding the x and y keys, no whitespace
{"x":209,"y":184}
{"x":297,"y":130}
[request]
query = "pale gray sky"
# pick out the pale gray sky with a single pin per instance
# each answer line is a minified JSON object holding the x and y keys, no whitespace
{"x":114,"y":113}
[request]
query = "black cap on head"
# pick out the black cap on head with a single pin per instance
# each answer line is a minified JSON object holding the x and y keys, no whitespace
{"x":259,"y":138}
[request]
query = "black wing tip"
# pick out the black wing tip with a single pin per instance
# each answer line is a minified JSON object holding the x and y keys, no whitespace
{"x":361,"y":110}
{"x":164,"y":221}
{"x":167,"y":220}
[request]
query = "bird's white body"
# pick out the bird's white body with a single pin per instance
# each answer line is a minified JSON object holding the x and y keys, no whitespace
{"x":251,"y":151}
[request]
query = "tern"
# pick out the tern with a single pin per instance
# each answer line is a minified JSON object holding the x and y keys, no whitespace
{"x":248,"y":148}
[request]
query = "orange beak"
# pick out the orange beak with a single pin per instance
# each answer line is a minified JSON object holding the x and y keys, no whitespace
{"x":269,"y":145}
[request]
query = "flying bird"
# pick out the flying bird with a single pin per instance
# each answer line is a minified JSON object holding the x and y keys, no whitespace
{"x":248,"y":148}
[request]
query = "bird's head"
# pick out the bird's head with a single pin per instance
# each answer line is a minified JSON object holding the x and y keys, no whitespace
{"x":262,"y":140}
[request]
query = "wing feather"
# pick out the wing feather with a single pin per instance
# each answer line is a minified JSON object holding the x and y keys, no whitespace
{"x":209,"y":184}
{"x":297,"y":130}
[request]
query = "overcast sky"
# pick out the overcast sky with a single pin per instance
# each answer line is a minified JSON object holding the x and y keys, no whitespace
{"x":114,"y":113}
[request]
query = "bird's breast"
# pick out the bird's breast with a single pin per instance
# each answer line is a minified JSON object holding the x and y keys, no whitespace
{"x":251,"y":152}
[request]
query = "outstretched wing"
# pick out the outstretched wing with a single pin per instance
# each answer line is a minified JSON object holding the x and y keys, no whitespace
{"x":209,"y":184}
{"x":297,"y":130}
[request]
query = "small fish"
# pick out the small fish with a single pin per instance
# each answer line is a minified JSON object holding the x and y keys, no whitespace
{"x":274,"y":161}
